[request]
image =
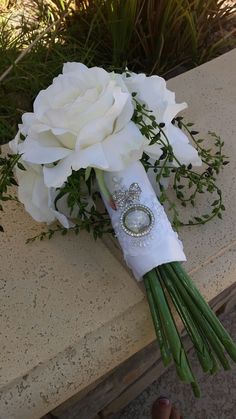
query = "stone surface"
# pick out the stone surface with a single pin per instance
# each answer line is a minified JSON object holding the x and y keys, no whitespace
{"x":218,"y":391}
{"x":70,"y":312}
{"x":210,"y":91}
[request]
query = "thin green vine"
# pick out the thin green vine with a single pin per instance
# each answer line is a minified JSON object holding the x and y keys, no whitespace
{"x":187,"y":183}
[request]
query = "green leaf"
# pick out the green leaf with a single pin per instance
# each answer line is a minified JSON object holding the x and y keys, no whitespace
{"x":21,"y":166}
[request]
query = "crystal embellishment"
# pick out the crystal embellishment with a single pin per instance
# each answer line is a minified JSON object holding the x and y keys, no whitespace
{"x":137,"y":220}
{"x":123,"y":197}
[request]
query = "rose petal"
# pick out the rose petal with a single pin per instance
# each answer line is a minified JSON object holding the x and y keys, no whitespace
{"x":154,"y":151}
{"x":33,"y":152}
{"x":34,"y":195}
{"x":153,"y":92}
{"x":123,"y":148}
{"x":92,"y":156}
{"x":182,"y":149}
{"x":14,"y":144}
{"x":102,"y":127}
{"x":171,"y":111}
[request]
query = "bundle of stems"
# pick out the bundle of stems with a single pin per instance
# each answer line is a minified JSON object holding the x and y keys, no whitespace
{"x":170,"y":283}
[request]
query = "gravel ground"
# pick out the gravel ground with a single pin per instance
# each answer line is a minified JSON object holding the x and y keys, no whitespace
{"x":218,"y":392}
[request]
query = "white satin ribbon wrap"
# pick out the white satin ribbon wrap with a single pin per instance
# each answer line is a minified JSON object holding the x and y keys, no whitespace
{"x":162,"y":244}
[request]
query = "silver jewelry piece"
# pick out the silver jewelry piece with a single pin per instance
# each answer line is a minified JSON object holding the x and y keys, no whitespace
{"x":136,"y":219}
{"x":123,"y":197}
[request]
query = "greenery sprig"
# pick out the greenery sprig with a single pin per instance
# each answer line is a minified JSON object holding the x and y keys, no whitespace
{"x":187,"y":183}
{"x":84,"y":204}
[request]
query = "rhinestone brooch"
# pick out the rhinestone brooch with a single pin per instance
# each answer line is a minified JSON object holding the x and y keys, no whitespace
{"x":136,"y":219}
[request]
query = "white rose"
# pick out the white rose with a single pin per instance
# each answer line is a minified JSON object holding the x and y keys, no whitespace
{"x":38,"y":200}
{"x":82,"y":120}
{"x":152,"y":92}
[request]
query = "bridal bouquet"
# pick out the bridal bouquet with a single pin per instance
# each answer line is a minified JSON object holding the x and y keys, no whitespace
{"x":94,"y":134}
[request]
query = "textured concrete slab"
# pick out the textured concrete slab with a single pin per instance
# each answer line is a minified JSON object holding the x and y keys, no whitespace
{"x":70,"y":312}
{"x":210,"y":91}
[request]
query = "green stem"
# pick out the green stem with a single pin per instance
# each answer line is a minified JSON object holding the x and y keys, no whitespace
{"x":199,"y":317}
{"x":200,"y":345}
{"x":210,"y":316}
{"x":180,"y":358}
{"x":161,"y":338}
{"x":215,"y":367}
{"x":102,"y":185}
